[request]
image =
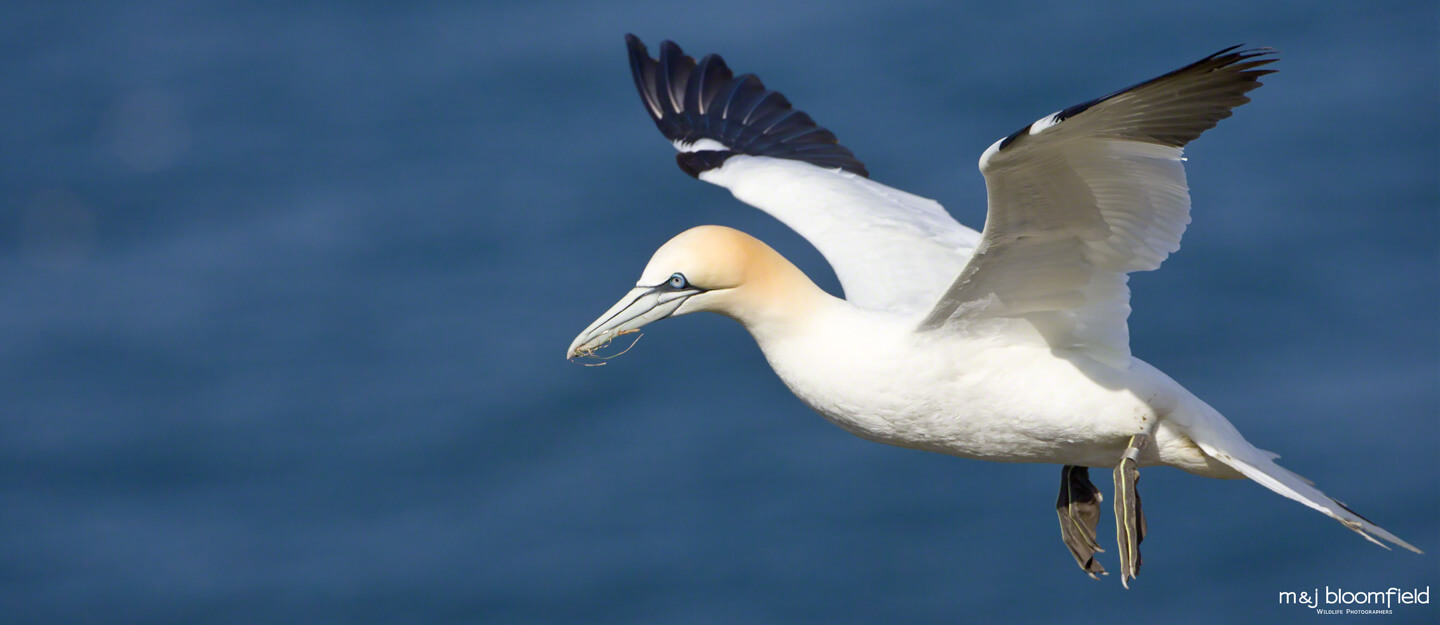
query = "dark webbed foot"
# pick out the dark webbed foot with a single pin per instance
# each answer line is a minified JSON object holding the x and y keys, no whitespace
{"x":1079,"y":510}
{"x":1129,"y":520}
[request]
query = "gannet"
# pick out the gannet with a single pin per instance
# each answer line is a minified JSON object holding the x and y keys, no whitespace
{"x":1006,"y":345}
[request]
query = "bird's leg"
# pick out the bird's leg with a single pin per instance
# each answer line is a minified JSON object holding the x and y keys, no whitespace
{"x":1079,"y":510}
{"x":1129,"y":520}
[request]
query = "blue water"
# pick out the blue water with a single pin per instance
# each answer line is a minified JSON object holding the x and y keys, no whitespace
{"x":284,"y":292}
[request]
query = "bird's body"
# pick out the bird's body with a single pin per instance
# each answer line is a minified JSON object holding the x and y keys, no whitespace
{"x":996,"y":393}
{"x":1006,"y":345}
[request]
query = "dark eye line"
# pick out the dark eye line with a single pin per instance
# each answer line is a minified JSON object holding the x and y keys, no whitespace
{"x":669,"y":284}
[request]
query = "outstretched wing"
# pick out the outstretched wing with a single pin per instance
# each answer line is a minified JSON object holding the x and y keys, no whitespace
{"x":891,"y":250}
{"x":1082,"y":197}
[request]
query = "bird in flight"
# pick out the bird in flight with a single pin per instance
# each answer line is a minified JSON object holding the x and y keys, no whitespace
{"x":1006,"y":345}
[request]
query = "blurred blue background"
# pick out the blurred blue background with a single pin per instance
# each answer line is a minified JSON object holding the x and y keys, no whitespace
{"x":286,"y":289}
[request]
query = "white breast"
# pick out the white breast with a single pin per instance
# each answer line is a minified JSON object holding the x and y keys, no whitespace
{"x":976,"y":397}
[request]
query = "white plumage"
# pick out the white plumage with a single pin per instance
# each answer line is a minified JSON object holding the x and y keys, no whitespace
{"x":1008,"y":345}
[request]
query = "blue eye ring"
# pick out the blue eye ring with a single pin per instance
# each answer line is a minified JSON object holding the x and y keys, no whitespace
{"x":678,"y":281}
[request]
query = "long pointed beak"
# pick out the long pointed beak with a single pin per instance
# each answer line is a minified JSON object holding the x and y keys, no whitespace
{"x":641,"y":306}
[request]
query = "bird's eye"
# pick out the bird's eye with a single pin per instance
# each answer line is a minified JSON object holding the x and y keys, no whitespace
{"x":678,"y":281}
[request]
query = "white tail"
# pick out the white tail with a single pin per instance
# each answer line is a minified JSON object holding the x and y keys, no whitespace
{"x":1260,"y":466}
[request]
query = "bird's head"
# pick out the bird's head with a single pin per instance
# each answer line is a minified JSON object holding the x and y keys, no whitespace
{"x":707,"y":268}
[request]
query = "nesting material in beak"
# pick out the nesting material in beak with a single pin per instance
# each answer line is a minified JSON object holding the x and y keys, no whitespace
{"x":640,"y":307}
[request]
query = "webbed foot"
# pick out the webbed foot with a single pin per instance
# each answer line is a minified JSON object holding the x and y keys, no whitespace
{"x":1079,"y":510}
{"x":1129,"y":520}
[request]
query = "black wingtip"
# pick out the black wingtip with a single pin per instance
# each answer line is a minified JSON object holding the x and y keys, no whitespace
{"x":1232,"y":58}
{"x":690,"y":101}
{"x":1224,"y":77}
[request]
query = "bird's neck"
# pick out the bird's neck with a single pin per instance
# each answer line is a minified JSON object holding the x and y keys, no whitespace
{"x":778,"y":300}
